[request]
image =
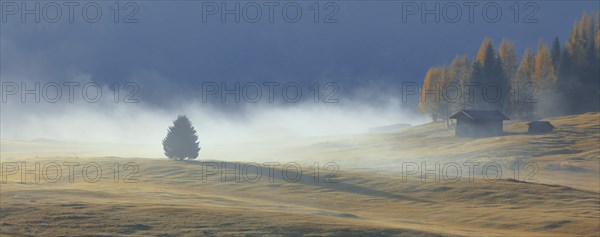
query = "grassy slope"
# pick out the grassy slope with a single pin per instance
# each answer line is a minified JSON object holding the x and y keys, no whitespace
{"x":569,"y":156}
{"x":171,"y":199}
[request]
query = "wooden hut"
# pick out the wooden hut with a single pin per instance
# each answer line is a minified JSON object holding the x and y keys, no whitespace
{"x":479,"y":123}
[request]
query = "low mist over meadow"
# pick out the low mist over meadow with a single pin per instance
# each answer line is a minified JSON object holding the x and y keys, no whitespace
{"x":299,"y":118}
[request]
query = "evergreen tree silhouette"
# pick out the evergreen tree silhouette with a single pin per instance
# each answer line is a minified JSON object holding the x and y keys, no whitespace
{"x":181,"y":142}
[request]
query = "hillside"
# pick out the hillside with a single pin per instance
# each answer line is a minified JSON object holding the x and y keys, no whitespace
{"x":368,"y":195}
{"x":569,"y":156}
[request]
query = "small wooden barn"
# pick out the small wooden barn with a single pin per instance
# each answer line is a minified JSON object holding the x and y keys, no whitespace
{"x":479,"y":123}
{"x":540,"y":127}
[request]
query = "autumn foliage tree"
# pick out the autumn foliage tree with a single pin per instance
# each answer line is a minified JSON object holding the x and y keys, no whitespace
{"x":544,"y":79}
{"x":509,"y":64}
{"x":429,"y":102}
{"x":460,"y":79}
{"x":580,"y":67}
{"x":550,"y":81}
{"x":523,"y":89}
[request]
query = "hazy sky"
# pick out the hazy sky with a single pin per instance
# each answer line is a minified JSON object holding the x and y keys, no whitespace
{"x":170,"y":49}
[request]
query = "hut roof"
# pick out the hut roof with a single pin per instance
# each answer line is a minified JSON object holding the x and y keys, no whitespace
{"x":540,"y":124}
{"x":480,"y":115}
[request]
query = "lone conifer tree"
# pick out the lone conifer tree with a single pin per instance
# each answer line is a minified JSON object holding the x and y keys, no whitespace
{"x":181,"y":142}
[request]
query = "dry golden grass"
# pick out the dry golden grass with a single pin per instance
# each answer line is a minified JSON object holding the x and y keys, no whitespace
{"x":370,"y":197}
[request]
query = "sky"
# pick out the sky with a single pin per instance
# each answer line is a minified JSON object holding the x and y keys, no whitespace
{"x":181,"y":57}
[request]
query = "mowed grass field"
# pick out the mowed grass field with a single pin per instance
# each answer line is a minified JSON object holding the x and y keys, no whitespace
{"x":370,"y":194}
